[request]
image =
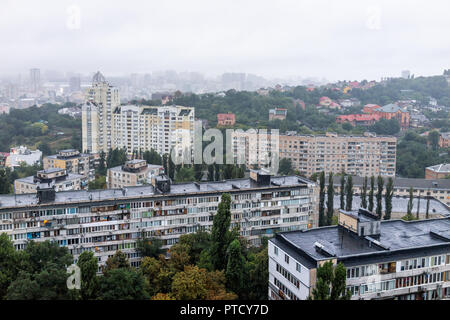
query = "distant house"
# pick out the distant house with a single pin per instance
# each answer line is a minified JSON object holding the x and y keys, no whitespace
{"x":439,"y":171}
{"x":325,"y":102}
{"x":348,"y":103}
{"x":277,"y":113}
{"x":389,"y":111}
{"x":444,"y":140}
{"x":370,"y":108}
{"x":226,"y":119}
{"x":418,"y":120}
{"x":359,"y":119}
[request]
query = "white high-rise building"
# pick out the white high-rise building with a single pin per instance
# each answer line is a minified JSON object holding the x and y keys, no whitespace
{"x":108,"y":125}
{"x":101,"y":101}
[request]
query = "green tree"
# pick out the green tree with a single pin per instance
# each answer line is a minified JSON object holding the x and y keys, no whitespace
{"x":322,"y":219}
{"x":285,"y":167}
{"x":433,"y":139}
{"x":185,"y":174}
{"x":342,"y":192}
{"x":220,"y":233}
{"x":338,"y":288}
{"x":330,"y":199}
{"x":235,"y":267}
{"x":117,"y":261}
{"x":371,"y":193}
{"x":410,"y":202}
{"x":388,"y":199}
{"x":5,"y":186}
{"x":364,"y":194}
{"x":123,"y":284}
{"x":427,"y":215}
{"x":330,"y":283}
{"x":380,"y":184}
{"x":102,"y":164}
{"x":9,"y":264}
{"x":89,"y":282}
{"x":149,"y":247}
{"x":349,"y":193}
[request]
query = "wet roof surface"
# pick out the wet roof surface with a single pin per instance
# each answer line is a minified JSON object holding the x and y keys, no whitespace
{"x":148,"y":190}
{"x":395,"y":235}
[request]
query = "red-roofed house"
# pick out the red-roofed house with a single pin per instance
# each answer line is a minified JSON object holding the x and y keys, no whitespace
{"x":226,"y":119}
{"x":370,"y":108}
{"x":359,"y":119}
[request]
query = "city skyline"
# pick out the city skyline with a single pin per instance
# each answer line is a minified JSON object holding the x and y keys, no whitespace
{"x":339,"y":41}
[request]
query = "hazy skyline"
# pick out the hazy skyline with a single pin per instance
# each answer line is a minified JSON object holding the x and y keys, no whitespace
{"x":337,"y":40}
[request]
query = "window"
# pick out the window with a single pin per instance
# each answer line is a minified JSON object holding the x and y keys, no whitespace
{"x":286,"y":258}
{"x":299,"y":267}
{"x":275,"y":250}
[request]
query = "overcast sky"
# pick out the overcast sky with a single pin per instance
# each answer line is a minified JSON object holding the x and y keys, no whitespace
{"x":347,"y":39}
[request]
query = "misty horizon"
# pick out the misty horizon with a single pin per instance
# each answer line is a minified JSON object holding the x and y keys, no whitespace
{"x":348,"y":40}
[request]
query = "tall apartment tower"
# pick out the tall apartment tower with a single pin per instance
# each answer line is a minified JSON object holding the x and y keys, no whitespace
{"x":35,"y":79}
{"x":101,"y":101}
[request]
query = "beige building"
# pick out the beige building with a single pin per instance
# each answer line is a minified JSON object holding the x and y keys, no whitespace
{"x":59,"y":179}
{"x":142,"y":128}
{"x":73,"y":162}
{"x":101,"y":101}
{"x":132,"y":173}
{"x":357,"y":155}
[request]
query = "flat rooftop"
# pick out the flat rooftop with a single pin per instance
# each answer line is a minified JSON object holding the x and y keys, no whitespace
{"x":68,"y":197}
{"x":395,"y":237}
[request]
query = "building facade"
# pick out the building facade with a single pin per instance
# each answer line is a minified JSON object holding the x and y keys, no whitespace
{"x":96,"y":115}
{"x":142,"y":128}
{"x":73,"y":161}
{"x":226,"y":119}
{"x":439,"y":171}
{"x":59,"y":179}
{"x":391,"y":259}
{"x":132,"y":173}
{"x":103,"y":221}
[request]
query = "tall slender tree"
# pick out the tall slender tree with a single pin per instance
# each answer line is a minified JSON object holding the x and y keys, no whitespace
{"x":364,"y":194}
{"x":322,"y":220}
{"x":330,"y":199}
{"x":349,"y":193}
{"x":410,"y":203}
{"x":342,"y":191}
{"x":371,"y":193}
{"x":380,"y":184}
{"x":388,"y":199}
{"x":427,"y":214}
{"x":418,"y":208}
{"x":220,"y":233}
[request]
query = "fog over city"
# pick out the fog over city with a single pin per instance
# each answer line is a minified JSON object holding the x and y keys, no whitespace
{"x":336,"y":40}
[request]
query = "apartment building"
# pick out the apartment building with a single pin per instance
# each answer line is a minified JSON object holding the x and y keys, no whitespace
{"x":357,"y":155}
{"x":437,"y":189}
{"x":22,"y":154}
{"x":142,"y":128}
{"x":96,"y":115}
{"x":133,"y":173}
{"x":56,"y":178}
{"x":104,"y":221}
{"x":391,"y":259}
{"x":73,"y":161}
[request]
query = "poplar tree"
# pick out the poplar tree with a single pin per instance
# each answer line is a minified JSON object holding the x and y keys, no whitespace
{"x":349,"y":194}
{"x":380,"y":197}
{"x":364,"y":194}
{"x":322,"y":221}
{"x":427,"y":215}
{"x":371,"y":193}
{"x":388,"y":199}
{"x":330,"y":199}
{"x":342,"y":191}
{"x":220,"y":233}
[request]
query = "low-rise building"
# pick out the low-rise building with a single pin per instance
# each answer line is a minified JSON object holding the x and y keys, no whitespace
{"x":22,"y":154}
{"x":133,"y":173}
{"x":438,"y":189}
{"x":58,"y":179}
{"x":72,"y":161}
{"x":277,"y":113}
{"x":391,"y":259}
{"x":226,"y":119}
{"x":358,"y":119}
{"x":439,"y":171}
{"x":444,"y":140}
